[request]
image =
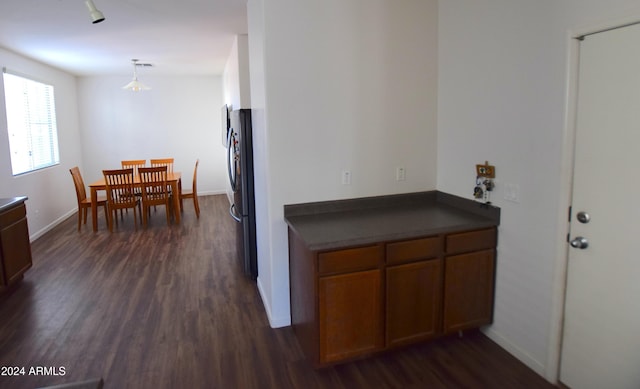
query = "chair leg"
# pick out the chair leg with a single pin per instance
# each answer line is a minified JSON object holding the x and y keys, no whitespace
{"x":110,"y":219}
{"x":145,"y":215}
{"x":179,"y":196}
{"x":80,"y":211}
{"x":196,"y":205}
{"x":106,"y":211}
{"x":135,"y":216}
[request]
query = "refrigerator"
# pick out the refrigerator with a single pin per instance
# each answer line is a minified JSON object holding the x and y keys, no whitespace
{"x":240,"y":168}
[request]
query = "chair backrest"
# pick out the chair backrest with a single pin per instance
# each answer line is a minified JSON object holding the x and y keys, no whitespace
{"x":153,"y":181}
{"x":133,"y":164}
{"x":81,"y":191}
{"x":195,"y":178}
{"x":119,"y":183}
{"x":168,"y":162}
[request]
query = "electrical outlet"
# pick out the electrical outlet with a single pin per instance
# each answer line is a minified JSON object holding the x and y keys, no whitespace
{"x":401,"y":174}
{"x":346,"y":177}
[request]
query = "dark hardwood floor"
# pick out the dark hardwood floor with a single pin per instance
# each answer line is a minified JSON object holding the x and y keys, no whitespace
{"x":168,"y":307}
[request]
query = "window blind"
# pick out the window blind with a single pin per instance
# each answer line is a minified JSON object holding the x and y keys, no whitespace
{"x":31,"y":123}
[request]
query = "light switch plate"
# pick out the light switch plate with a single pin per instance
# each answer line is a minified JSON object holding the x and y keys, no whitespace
{"x":512,"y":192}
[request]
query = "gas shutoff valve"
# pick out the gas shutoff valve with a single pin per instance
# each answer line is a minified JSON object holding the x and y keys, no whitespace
{"x":485,"y":174}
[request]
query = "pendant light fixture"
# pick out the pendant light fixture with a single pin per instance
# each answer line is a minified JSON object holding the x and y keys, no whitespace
{"x":135,"y":85}
{"x":96,"y":16}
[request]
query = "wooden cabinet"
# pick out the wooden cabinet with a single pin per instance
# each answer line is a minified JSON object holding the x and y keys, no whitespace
{"x":469,"y":280}
{"x":350,"y":303}
{"x":413,"y":302}
{"x":468,"y":290}
{"x":413,"y":290}
{"x":357,"y":301}
{"x":15,"y":249}
{"x":350,"y":312}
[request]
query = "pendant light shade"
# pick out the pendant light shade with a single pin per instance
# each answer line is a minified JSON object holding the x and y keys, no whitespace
{"x":96,"y":16}
{"x":135,"y":85}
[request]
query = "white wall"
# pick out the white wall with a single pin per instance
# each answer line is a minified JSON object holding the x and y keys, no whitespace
{"x":236,"y":83}
{"x":501,"y":99}
{"x":51,"y":193}
{"x":262,"y":167}
{"x":179,"y":117}
{"x":503,"y":76}
{"x":346,"y":86}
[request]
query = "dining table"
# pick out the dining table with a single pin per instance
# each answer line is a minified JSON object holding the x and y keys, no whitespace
{"x":174,"y":179}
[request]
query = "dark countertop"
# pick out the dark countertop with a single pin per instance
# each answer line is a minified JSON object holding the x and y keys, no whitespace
{"x":343,"y":223}
{"x":11,"y":202}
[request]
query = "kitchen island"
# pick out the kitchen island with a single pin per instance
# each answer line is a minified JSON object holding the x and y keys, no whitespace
{"x":371,"y":274}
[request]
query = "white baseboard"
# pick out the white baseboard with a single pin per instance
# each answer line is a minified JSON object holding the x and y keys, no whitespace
{"x":274,"y":322}
{"x":211,"y":193}
{"x":51,"y":225}
{"x":514,"y":350}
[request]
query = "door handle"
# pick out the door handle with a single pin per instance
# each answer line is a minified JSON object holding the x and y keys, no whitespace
{"x":579,"y":242}
{"x":232,"y":212}
{"x":230,"y":156}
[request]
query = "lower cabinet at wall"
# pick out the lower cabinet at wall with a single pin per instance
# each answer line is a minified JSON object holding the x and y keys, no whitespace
{"x":15,"y":249}
{"x":469,"y":279}
{"x":468,"y":290}
{"x":355,"y":302}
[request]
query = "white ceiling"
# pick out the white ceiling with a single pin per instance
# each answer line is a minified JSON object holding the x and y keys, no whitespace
{"x":179,"y":37}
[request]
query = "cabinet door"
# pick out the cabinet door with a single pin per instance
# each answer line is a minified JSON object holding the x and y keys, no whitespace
{"x":350,"y":310}
{"x":413,"y":301}
{"x":16,"y":250}
{"x":468,"y":290}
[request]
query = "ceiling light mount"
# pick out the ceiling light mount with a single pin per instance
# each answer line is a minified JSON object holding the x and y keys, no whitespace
{"x":135,"y":85}
{"x":96,"y":16}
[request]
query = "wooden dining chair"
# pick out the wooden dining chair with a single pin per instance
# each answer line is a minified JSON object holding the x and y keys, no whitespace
{"x":134,"y":164}
{"x":168,"y":162}
{"x":153,"y":182}
{"x":185,"y":194}
{"x":84,"y":203}
{"x":120,"y":193}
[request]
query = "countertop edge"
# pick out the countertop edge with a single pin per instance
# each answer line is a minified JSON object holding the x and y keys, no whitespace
{"x":374,"y":239}
{"x":11,"y":202}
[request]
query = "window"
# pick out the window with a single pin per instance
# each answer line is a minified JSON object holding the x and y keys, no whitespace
{"x":31,"y":123}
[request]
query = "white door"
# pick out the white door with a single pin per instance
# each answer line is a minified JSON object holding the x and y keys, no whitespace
{"x":601,"y":339}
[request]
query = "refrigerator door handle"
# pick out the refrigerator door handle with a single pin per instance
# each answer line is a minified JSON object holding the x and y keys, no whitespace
{"x":231,"y":157}
{"x":234,"y":215}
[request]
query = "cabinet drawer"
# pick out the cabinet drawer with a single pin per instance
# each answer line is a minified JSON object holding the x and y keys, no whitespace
{"x":471,"y":241}
{"x":342,"y":261}
{"x":13,"y":215}
{"x":412,"y":250}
